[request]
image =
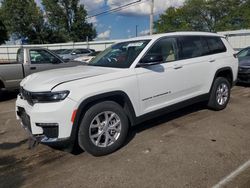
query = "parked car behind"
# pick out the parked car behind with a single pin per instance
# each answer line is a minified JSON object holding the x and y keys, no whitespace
{"x":59,"y":51}
{"x":88,"y":58}
{"x":244,"y":65}
{"x":28,"y":61}
{"x":71,"y":54}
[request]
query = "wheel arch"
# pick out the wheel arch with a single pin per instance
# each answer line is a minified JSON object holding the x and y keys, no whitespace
{"x":119,"y":97}
{"x":2,"y":86}
{"x":225,"y":72}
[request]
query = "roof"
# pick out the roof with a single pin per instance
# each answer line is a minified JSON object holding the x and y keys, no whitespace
{"x":191,"y":33}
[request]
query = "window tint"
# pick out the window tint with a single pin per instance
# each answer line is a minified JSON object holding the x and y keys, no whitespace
{"x":42,"y":57}
{"x":215,"y":45}
{"x":167,"y":48}
{"x":193,"y":46}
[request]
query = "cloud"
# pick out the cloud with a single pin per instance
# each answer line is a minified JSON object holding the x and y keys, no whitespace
{"x":93,"y":20}
{"x":145,"y":32}
{"x":143,"y":7}
{"x":92,"y":5}
{"x":104,"y":35}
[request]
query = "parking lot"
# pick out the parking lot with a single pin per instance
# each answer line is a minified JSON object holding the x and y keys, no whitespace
{"x":194,"y":147}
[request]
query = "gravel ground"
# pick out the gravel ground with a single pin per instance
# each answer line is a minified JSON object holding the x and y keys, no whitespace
{"x":193,"y":147}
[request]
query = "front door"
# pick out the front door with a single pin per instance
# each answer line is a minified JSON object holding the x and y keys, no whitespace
{"x":41,"y":60}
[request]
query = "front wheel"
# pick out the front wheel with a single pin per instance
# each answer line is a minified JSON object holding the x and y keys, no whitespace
{"x":220,"y":94}
{"x":103,"y":129}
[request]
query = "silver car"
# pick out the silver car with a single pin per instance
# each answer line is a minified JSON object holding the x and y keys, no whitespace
{"x":71,"y":54}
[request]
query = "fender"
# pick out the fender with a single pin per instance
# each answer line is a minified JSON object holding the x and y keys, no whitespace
{"x":220,"y":71}
{"x":113,"y":96}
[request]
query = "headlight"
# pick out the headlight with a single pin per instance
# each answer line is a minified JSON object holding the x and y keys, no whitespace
{"x":49,"y":96}
{"x":43,"y":97}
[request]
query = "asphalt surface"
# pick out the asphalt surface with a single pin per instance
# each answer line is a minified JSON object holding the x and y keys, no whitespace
{"x":193,"y":147}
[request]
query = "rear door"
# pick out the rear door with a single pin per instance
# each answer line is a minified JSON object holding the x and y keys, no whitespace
{"x":197,"y":65}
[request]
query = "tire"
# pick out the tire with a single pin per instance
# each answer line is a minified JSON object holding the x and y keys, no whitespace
{"x":103,"y":128}
{"x":1,"y":95}
{"x":220,"y":94}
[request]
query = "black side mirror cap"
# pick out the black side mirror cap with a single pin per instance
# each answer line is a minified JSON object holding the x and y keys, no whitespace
{"x":149,"y":60}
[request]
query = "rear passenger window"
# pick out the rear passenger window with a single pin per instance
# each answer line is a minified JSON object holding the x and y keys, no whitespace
{"x":215,"y":45}
{"x":193,"y":46}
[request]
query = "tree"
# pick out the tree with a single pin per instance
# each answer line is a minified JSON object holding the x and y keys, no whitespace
{"x":3,"y":33}
{"x":68,"y":19}
{"x":206,"y":15}
{"x":23,"y":19}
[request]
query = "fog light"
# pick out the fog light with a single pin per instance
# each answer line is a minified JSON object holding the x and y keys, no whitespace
{"x":50,"y":130}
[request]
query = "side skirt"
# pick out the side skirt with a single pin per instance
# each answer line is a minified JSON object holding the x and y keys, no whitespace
{"x":169,"y":109}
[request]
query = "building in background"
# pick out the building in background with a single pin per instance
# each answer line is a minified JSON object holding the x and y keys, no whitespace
{"x":238,"y":39}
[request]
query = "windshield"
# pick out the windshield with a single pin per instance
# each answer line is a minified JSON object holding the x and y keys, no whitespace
{"x":120,"y":55}
{"x":244,"y":53}
{"x":66,"y":52}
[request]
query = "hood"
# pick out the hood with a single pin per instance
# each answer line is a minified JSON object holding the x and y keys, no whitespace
{"x":244,"y":62}
{"x":45,"y":81}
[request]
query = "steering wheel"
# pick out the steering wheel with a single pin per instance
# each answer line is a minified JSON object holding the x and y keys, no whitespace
{"x":111,"y":59}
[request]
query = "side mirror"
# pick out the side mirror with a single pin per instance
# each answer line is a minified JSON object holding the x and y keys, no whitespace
{"x":151,"y":59}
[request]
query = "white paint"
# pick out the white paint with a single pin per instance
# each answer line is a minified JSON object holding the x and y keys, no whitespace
{"x":233,"y":175}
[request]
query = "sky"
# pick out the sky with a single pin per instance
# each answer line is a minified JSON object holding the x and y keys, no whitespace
{"x":122,"y":24}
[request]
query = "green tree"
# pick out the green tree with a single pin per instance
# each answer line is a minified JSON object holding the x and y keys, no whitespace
{"x":206,"y":15}
{"x":23,"y":19}
{"x":3,"y":33}
{"x":68,"y":19}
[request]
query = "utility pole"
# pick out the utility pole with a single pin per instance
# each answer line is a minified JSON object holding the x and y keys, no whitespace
{"x":136,"y":30}
{"x":152,"y":17}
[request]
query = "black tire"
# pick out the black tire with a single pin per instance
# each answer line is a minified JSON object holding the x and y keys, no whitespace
{"x":213,"y":102}
{"x":84,"y":139}
{"x":1,"y":95}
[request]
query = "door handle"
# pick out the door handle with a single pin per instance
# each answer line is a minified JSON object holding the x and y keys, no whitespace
{"x":178,"y":67}
{"x":32,"y":68}
{"x":212,"y":60}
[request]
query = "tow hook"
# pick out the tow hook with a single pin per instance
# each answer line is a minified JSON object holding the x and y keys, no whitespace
{"x":32,"y":143}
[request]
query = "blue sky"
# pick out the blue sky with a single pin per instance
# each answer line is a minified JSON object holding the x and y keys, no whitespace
{"x":122,"y":24}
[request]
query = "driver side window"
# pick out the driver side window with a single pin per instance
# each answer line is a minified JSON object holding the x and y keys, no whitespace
{"x":42,"y":57}
{"x":166,"y":48}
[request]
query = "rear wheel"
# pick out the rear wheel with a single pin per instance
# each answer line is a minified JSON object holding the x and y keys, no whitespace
{"x":220,"y":94}
{"x":103,"y":129}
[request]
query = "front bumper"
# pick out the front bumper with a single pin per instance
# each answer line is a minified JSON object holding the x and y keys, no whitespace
{"x":47,"y":123}
{"x":244,"y":77}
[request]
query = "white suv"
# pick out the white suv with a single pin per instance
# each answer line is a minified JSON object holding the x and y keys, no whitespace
{"x":128,"y":83}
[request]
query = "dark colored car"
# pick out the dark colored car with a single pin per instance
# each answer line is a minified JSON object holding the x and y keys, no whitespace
{"x":244,"y":66}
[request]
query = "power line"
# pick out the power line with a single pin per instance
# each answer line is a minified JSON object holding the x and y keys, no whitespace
{"x":117,"y":8}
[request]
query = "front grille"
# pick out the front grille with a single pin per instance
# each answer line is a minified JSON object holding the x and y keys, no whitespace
{"x":26,"y":95}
